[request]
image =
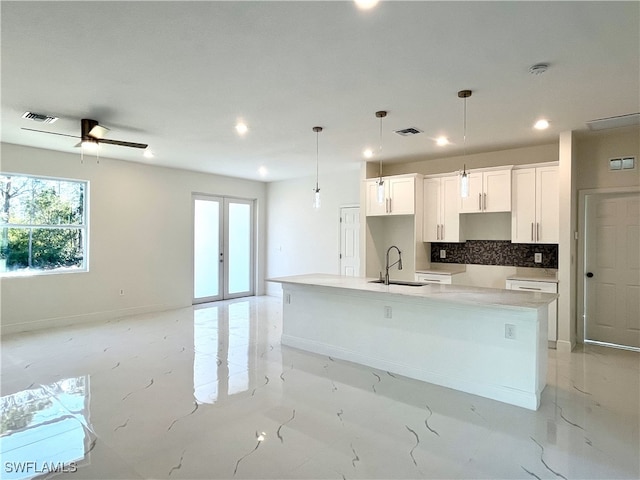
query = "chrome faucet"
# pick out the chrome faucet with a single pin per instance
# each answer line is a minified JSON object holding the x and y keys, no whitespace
{"x":387,"y":266}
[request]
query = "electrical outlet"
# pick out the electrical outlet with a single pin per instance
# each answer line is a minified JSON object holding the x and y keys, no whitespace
{"x":509,"y":331}
{"x":443,"y":253}
{"x":388,"y":312}
{"x":537,"y":257}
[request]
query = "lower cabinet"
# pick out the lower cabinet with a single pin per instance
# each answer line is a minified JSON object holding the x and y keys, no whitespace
{"x":544,"y":287}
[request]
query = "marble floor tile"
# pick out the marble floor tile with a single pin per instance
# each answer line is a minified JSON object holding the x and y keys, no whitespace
{"x":209,"y":392}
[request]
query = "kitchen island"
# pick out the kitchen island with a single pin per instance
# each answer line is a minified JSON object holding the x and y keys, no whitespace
{"x":488,"y":342}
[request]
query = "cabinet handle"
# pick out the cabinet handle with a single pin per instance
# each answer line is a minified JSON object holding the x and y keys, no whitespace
{"x":390,"y":208}
{"x":529,"y":288}
{"x":532,"y":239}
{"x":438,"y":232}
{"x":537,"y":232}
{"x":484,"y":195}
{"x":386,"y":205}
{"x":442,"y":232}
{"x":479,"y":201}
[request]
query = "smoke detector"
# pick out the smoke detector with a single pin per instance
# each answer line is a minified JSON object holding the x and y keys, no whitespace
{"x":39,"y":117}
{"x":538,"y":68}
{"x":406,"y":132}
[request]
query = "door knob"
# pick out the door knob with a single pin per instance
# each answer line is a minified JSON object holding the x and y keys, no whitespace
{"x":589,"y":274}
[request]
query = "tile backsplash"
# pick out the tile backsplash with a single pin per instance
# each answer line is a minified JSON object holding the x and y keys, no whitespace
{"x":496,"y":252}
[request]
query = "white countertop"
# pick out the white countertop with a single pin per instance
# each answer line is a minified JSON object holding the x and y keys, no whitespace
{"x":449,"y":293}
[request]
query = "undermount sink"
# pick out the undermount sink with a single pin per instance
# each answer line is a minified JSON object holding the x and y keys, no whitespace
{"x":400,"y":282}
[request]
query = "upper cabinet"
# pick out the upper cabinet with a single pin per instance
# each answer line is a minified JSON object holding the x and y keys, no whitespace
{"x":441,"y":200}
{"x":399,"y":196}
{"x":535,"y":201}
{"x":489,"y":191}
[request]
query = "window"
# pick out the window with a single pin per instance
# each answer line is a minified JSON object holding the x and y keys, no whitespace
{"x":43,"y":225}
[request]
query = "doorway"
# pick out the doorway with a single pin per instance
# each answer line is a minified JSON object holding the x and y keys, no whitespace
{"x":223,"y":248}
{"x":611,"y":269}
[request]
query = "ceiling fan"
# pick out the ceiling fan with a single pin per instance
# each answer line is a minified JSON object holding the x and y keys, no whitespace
{"x":93,"y":133}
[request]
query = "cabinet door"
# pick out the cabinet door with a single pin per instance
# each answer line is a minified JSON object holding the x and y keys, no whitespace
{"x":449,"y":210}
{"x":401,"y":193}
{"x":497,"y":191}
{"x":547,"y":205}
{"x":372,"y":206}
{"x":431,"y":221}
{"x":473,"y":203}
{"x":523,"y":213}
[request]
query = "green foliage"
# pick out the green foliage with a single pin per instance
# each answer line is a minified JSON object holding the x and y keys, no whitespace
{"x":41,"y":202}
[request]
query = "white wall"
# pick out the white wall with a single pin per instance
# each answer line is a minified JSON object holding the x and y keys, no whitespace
{"x":141,"y":237}
{"x":303,"y":240}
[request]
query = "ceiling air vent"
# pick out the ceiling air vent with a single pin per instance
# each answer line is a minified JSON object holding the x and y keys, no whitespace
{"x":39,"y":117}
{"x":405,"y":132}
{"x":614,"y":122}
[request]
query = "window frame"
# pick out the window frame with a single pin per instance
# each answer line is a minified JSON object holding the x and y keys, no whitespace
{"x":84,"y":227}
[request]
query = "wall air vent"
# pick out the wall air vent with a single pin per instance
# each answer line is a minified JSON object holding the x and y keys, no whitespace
{"x":39,"y":117}
{"x":614,"y":122}
{"x":405,"y":132}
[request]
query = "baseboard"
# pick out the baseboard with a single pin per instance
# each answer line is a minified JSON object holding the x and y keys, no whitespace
{"x":564,"y":347}
{"x":87,"y":318}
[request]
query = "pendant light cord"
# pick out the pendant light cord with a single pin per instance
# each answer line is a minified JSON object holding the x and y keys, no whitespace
{"x":317,"y":155}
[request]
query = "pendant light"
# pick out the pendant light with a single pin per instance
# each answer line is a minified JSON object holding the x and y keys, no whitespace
{"x":381,"y":197}
{"x":464,"y":178}
{"x":316,"y":191}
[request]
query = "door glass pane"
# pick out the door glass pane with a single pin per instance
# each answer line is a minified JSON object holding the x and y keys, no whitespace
{"x":206,"y":248}
{"x":239,"y":247}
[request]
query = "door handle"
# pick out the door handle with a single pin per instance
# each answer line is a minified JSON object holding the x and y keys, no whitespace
{"x":221,"y":257}
{"x":589,"y":275}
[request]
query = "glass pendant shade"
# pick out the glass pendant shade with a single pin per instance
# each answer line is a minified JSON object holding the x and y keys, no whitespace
{"x":316,"y":198}
{"x":464,"y":185}
{"x":381,"y":191}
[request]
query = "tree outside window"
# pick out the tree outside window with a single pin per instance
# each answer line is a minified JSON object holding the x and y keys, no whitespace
{"x":42,"y":224}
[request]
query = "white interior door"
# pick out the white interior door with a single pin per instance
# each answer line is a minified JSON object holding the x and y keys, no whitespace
{"x":223,"y":248}
{"x":612,"y":269}
{"x":350,"y":241}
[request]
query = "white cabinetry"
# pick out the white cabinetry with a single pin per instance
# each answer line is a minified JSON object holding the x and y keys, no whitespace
{"x":489,"y":191}
{"x":441,"y":202}
{"x":535,"y":214}
{"x":544,"y":287}
{"x":399,"y":196}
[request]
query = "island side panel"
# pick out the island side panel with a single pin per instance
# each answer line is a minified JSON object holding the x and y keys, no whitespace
{"x":457,"y":346}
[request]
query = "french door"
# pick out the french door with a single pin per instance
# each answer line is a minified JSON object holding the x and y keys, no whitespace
{"x":223,"y":248}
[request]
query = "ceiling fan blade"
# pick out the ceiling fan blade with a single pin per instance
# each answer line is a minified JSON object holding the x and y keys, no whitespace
{"x":122,"y":143}
{"x":50,"y":133}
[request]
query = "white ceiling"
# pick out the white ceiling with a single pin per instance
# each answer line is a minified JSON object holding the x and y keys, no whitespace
{"x":179,"y":75}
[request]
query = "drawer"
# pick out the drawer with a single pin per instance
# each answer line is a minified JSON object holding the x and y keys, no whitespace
{"x":532,"y":286}
{"x":433,"y":278}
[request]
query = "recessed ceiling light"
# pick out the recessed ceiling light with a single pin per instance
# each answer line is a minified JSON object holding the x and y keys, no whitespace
{"x":442,"y":141}
{"x":368,"y":153}
{"x":541,"y":124}
{"x":366,"y":4}
{"x":148,"y":153}
{"x":241,"y":128}
{"x":263,"y":171}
